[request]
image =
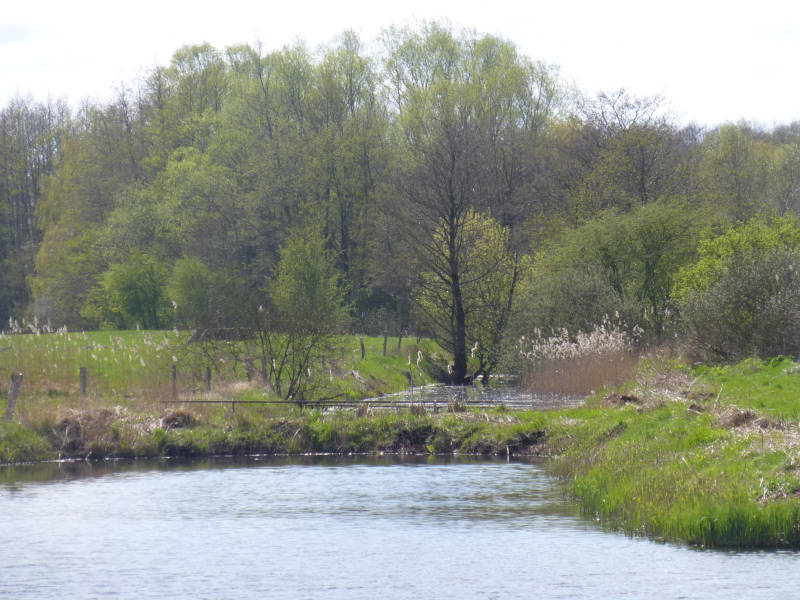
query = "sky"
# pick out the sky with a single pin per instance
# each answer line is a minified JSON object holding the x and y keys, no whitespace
{"x":712,"y":61}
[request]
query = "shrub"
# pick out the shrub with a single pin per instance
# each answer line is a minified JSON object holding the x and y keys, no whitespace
{"x":622,"y":263}
{"x":752,"y":309}
{"x":130,"y":294}
{"x":204,"y":298}
{"x":742,"y":297}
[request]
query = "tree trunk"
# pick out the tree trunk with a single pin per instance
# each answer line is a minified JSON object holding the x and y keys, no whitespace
{"x":485,"y":378}
{"x":458,"y":323}
{"x":459,"y":334}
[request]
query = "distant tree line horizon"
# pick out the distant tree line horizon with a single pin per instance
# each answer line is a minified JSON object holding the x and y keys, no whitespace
{"x":445,"y":185}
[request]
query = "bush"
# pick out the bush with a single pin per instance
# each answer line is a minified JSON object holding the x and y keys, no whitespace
{"x":130,"y":294}
{"x":618,"y":263}
{"x":752,"y":308}
{"x":204,"y":298}
{"x":742,"y":296}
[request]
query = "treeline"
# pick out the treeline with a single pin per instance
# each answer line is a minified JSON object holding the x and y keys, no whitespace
{"x":444,"y":184}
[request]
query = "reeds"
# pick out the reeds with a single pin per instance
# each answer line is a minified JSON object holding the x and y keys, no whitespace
{"x":581,"y":363}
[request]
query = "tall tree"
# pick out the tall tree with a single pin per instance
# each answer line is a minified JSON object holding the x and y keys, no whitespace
{"x":734,"y":171}
{"x":633,"y":152}
{"x":468,"y":111}
{"x":489,"y":277}
{"x":100,"y":158}
{"x":30,"y":142}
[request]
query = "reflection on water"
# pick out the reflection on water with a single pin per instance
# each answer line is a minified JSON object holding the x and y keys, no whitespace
{"x":500,"y":392}
{"x":337,"y":528}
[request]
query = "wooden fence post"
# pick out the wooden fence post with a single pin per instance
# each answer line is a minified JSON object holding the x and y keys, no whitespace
{"x":174,"y":382}
{"x":83,"y":380}
{"x":16,"y":381}
{"x":363,"y":352}
{"x":385,"y":340}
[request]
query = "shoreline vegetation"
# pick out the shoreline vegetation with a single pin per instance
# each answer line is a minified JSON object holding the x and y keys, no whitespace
{"x":437,"y":182}
{"x":708,"y":456}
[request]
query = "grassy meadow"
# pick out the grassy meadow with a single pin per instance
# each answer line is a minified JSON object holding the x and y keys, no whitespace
{"x":708,"y":456}
{"x":130,"y":408}
{"x":134,"y":368}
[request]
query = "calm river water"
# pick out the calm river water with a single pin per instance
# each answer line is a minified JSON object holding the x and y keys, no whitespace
{"x":339,"y":529}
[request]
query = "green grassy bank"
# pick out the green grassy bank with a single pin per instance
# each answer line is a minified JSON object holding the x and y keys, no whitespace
{"x":706,"y":456}
{"x":108,"y":433}
{"x":709,"y":457}
{"x":130,"y":407}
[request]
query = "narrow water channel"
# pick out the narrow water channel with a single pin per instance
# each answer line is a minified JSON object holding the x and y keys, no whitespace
{"x":502,"y":391}
{"x":339,"y":529}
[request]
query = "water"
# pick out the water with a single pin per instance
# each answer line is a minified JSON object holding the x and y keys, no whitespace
{"x":500,"y":392}
{"x":339,"y":529}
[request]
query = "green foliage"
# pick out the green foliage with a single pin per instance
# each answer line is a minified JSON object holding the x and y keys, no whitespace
{"x":206,"y":299}
{"x":21,"y":444}
{"x":738,"y":245}
{"x":219,"y":154}
{"x":305,"y":292}
{"x":631,"y":154}
{"x":621,"y":264}
{"x":191,"y":288}
{"x":468,"y":112}
{"x":742,"y":296}
{"x":488,"y":277}
{"x":30,"y":134}
{"x":306,"y":308}
{"x":734,"y":171}
{"x":132,"y":294}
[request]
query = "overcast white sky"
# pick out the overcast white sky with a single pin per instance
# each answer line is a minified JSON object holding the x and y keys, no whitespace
{"x":713,"y":61}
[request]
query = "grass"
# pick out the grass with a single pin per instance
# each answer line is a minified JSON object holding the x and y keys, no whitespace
{"x":123,"y":412}
{"x":120,"y":365}
{"x":114,"y":433}
{"x":771,"y":387}
{"x":134,"y":369}
{"x":122,"y":416}
{"x":707,"y":456}
{"x":350,"y":377}
{"x":672,"y":463}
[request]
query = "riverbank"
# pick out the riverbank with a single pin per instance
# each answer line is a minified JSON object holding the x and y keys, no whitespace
{"x":113,"y":433}
{"x":709,"y":457}
{"x":146,"y":394}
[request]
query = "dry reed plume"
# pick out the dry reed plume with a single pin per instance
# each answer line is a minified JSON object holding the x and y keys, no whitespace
{"x":581,"y":363}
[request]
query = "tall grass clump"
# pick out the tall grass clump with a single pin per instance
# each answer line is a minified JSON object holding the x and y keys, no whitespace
{"x":119,"y":364}
{"x":581,"y":363}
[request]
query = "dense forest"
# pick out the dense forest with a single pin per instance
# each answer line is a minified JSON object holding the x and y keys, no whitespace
{"x":443,"y":185}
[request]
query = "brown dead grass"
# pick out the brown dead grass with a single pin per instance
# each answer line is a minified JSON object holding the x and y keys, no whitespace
{"x":580,"y":376}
